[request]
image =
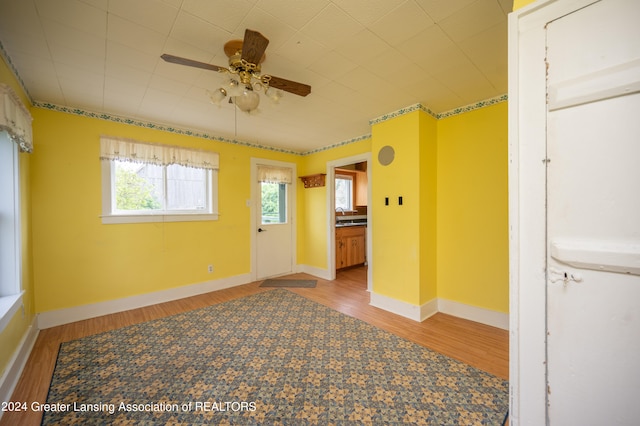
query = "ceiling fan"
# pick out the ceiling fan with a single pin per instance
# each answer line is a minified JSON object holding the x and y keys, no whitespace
{"x":245,"y":58}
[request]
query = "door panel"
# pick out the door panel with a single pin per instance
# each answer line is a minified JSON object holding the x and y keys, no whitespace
{"x":593,"y":215}
{"x":274,"y":237}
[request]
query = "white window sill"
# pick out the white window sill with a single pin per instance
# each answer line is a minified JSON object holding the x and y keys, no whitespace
{"x":114,"y":219}
{"x":9,"y":305}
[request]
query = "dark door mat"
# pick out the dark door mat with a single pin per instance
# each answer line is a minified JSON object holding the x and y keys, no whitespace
{"x":288,"y":283}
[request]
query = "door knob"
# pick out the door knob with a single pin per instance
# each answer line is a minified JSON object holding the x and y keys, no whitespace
{"x":261,"y":230}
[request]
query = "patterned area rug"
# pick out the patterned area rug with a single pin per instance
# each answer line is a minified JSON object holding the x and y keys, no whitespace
{"x":289,"y":283}
{"x":270,"y":358}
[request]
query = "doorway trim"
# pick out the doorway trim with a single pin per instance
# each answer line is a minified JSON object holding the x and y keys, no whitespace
{"x":253,"y":204}
{"x":331,"y":208}
{"x":527,"y":206}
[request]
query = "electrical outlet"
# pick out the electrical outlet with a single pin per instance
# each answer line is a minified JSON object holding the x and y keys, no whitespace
{"x":210,"y":268}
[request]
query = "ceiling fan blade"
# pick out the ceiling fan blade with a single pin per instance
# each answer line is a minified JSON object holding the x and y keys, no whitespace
{"x":253,"y":46}
{"x":190,"y":62}
{"x":290,"y":86}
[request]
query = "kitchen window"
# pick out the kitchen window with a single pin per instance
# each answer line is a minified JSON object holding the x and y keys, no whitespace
{"x":344,"y":192}
{"x":157,"y":183}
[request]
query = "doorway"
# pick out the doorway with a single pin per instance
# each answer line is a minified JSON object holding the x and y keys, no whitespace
{"x":272,"y":218}
{"x":331,"y":212}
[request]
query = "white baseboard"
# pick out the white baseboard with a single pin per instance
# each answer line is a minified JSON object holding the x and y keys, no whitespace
{"x":315,"y":271}
{"x":78,"y":313}
{"x":17,"y":362}
{"x":428,"y":309}
{"x":457,"y":309}
{"x":474,"y":313}
{"x":395,"y":306}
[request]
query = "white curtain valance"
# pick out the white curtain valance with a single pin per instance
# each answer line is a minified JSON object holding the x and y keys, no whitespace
{"x":274,"y":174}
{"x":153,"y":153}
{"x":15,"y":119}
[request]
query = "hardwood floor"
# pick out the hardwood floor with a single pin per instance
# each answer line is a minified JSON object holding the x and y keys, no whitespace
{"x":481,"y":346}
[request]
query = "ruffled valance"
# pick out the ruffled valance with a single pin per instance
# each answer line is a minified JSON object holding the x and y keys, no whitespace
{"x":15,"y":119}
{"x":274,"y":174}
{"x":152,"y":153}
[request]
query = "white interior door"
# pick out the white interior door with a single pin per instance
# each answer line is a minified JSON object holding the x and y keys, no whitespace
{"x":593,"y":216}
{"x":274,"y":226}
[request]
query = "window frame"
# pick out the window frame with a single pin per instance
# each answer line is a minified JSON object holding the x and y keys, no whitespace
{"x":108,"y":195}
{"x":350,"y":177}
{"x":11,"y":293}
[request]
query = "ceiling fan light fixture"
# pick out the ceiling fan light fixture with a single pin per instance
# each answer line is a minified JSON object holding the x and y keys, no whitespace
{"x":217,"y":95}
{"x":248,"y":100}
{"x":274,"y":94}
{"x":232,"y":87}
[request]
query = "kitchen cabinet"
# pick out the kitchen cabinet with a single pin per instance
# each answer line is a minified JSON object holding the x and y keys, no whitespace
{"x":350,"y":246}
{"x":361,"y":188}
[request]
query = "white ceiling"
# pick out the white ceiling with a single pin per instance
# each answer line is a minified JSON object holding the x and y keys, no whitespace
{"x":362,"y":58}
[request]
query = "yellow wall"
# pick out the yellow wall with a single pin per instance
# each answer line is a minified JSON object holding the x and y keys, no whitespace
{"x":312,"y":219}
{"x":78,"y":260}
{"x":473,"y":246}
{"x":18,"y":326}
{"x":428,"y":208}
{"x":517,"y":4}
{"x":404,"y":236}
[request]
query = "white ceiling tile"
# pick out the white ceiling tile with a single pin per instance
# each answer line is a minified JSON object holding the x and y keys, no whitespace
{"x":472,"y":20}
{"x":121,"y":54}
{"x":153,"y":14}
{"x":135,"y":35}
{"x":302,"y":50}
{"x":368,"y":11}
{"x":226,"y":14}
{"x":126,"y":72}
{"x":100,"y":4}
{"x":169,"y":85}
{"x":199,"y":33}
{"x":402,"y":23}
{"x":74,"y":14}
{"x":440,"y":9}
{"x":331,"y":27}
{"x":391,"y":64}
{"x":92,"y":62}
{"x":433,"y":51}
{"x":488,"y":51}
{"x":332,"y":65}
{"x":73,"y":38}
{"x":295,"y":14}
{"x":361,"y":47}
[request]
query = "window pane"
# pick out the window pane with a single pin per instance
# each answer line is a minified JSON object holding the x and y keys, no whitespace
{"x":138,"y":186}
{"x":186,"y":188}
{"x":344,"y":192}
{"x":274,"y":202}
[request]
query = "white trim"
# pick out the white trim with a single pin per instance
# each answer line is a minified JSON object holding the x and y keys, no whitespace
{"x":432,"y":307}
{"x":78,"y":313}
{"x":16,"y":364}
{"x":429,"y":309}
{"x":474,"y":313}
{"x":527,"y":207}
{"x":8,"y":307}
{"x":396,"y":306}
{"x":315,"y":271}
{"x":331,"y":203}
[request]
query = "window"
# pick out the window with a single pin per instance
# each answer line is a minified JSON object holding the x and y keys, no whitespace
{"x":274,"y":202}
{"x":9,"y":229}
{"x":152,"y":183}
{"x":344,"y":192}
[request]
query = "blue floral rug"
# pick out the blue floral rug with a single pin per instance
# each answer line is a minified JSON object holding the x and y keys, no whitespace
{"x":272,"y":358}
